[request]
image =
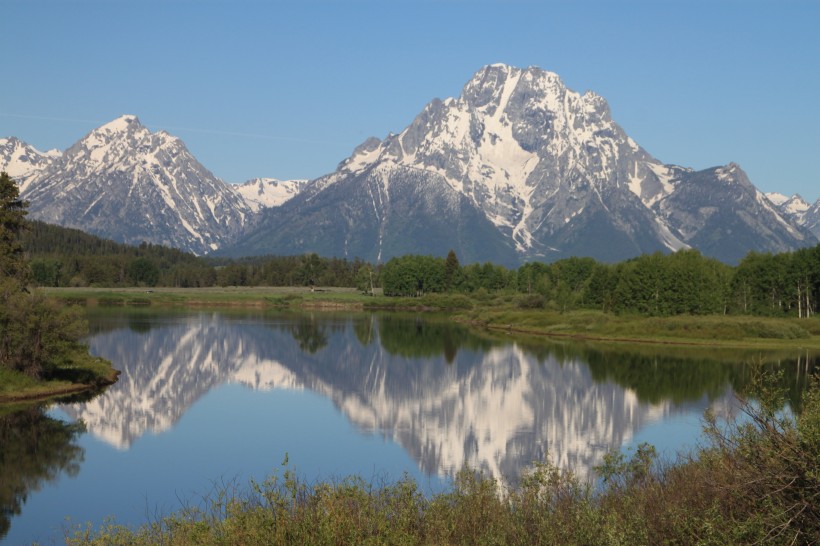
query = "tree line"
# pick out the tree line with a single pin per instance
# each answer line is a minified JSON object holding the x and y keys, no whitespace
{"x":69,"y":257}
{"x":684,"y":282}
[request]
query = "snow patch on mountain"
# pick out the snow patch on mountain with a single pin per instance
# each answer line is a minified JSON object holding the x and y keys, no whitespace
{"x":798,"y":210}
{"x":23,"y":162}
{"x":792,"y":205}
{"x":261,"y":193}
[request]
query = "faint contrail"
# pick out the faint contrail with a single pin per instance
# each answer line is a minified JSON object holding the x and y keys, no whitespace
{"x":177,"y":128}
{"x":73,"y":120}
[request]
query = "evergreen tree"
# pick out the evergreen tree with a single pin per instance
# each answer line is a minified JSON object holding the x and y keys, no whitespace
{"x":452,"y":271}
{"x":12,"y":222}
{"x":36,"y":335}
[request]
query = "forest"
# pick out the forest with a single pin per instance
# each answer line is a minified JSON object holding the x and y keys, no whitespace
{"x":684,"y":282}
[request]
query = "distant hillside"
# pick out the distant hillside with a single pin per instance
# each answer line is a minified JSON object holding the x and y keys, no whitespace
{"x":70,"y":257}
{"x":43,"y":240}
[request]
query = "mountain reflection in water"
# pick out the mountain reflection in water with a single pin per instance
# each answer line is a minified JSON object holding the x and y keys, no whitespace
{"x":447,"y":396}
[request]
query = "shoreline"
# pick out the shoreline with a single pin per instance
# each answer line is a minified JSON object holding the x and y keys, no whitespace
{"x":43,"y":393}
{"x":498,"y":314}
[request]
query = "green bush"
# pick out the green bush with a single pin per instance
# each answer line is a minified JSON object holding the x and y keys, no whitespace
{"x":532,"y":301}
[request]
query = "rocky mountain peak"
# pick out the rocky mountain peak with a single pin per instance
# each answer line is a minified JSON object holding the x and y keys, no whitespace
{"x":22,"y":161}
{"x":124,"y":123}
{"x":541,"y":171}
{"x":518,"y":167}
{"x":122,"y":141}
{"x":798,"y":210}
{"x":127,"y":183}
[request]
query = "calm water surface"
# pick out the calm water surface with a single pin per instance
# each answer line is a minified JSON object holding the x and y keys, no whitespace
{"x":208,"y":400}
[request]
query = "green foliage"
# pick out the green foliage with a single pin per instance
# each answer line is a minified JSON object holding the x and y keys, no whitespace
{"x":413,"y":275}
{"x":69,"y":257}
{"x":367,"y":279}
{"x":453,"y":276}
{"x":532,"y":301}
{"x":12,"y":224}
{"x":37,"y":335}
{"x":766,"y":467}
{"x":143,"y":272}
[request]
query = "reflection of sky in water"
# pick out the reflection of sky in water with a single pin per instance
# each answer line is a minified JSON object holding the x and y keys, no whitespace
{"x":666,"y":435}
{"x":206,"y":400}
{"x":229,"y":436}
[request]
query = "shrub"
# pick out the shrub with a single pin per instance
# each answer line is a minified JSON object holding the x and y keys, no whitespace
{"x":756,"y":482}
{"x":532,"y":301}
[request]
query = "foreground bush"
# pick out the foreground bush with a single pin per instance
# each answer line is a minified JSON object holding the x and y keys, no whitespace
{"x":757,"y":482}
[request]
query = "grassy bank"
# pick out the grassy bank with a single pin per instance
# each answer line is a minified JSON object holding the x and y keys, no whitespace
{"x":80,"y":372}
{"x":754,"y":483}
{"x":501,"y":312}
{"x":711,"y":330}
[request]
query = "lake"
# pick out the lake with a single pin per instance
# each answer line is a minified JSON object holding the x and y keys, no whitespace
{"x":209,"y":400}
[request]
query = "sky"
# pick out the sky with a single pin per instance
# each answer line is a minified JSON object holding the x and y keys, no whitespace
{"x":287,"y":89}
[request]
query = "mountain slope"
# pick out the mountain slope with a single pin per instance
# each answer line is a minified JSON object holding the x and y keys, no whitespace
{"x":376,"y":214}
{"x":123,"y":182}
{"x":520,"y":167}
{"x":24,"y":162}
{"x":798,"y":211}
{"x":260,"y":193}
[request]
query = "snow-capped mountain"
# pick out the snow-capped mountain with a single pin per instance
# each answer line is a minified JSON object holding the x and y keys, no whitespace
{"x":124,"y":182}
{"x":520,"y":167}
{"x":24,"y":162}
{"x":260,"y":193}
{"x":798,"y":210}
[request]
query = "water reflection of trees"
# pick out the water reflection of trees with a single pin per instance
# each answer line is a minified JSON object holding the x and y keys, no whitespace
{"x":34,"y":449}
{"x":365,"y":330}
{"x":309,"y":334}
{"x":655,"y":380}
{"x":424,"y":337}
{"x":655,"y":374}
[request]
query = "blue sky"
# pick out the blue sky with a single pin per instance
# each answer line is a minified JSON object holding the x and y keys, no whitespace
{"x":288,"y":89}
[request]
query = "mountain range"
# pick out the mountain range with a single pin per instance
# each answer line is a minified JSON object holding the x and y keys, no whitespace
{"x":517,"y":168}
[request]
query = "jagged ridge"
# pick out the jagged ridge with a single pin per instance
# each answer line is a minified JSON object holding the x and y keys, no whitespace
{"x":520,"y":167}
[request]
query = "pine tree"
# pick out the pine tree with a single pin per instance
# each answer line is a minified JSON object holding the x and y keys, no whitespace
{"x":36,"y":334}
{"x":452,"y":270}
{"x":12,"y":222}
